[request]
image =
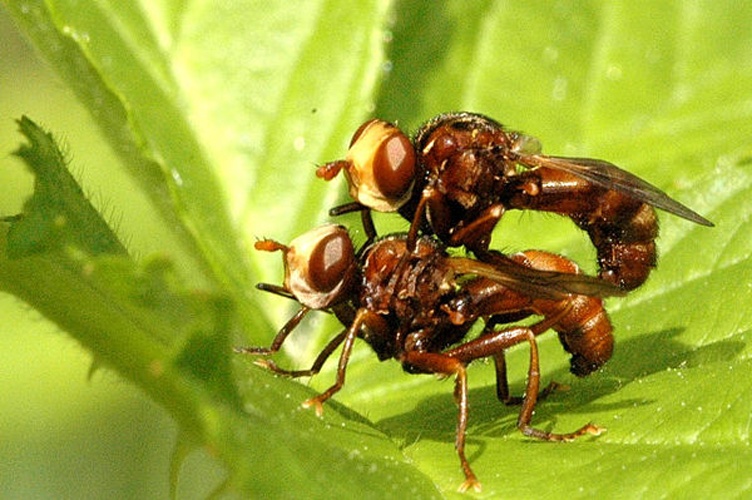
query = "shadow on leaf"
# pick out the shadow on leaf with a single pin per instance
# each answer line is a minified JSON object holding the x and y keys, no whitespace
{"x":435,"y":417}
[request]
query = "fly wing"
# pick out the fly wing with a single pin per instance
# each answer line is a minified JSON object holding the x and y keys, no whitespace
{"x":535,"y":283}
{"x":609,"y":176}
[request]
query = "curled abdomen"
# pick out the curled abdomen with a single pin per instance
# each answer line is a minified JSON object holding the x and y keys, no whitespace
{"x":622,"y":228}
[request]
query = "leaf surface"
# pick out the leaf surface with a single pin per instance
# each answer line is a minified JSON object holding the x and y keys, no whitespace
{"x":222,"y":113}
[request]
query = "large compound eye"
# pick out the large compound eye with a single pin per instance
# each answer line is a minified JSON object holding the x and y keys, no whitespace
{"x":320,"y":266}
{"x":330,"y":260}
{"x":380,"y":166}
{"x":394,"y":165}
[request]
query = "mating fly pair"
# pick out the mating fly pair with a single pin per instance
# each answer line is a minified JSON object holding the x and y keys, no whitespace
{"x":410,"y":300}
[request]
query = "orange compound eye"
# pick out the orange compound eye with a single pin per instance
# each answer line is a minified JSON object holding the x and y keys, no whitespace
{"x":320,"y":266}
{"x":330,"y":261}
{"x":394,"y":166}
{"x":380,"y":166}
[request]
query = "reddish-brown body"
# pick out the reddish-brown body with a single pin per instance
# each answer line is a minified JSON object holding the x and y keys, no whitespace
{"x":466,"y":170}
{"x":581,"y":321}
{"x":411,"y":301}
{"x":417,"y":306}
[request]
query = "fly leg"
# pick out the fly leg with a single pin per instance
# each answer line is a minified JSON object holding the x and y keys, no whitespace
{"x":500,"y":364}
{"x":317,"y":364}
{"x":494,"y":343}
{"x":428,"y":362}
{"x":279,"y":339}
{"x":365,"y":216}
{"x":348,"y":339}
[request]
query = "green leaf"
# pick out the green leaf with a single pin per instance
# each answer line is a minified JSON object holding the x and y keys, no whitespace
{"x":156,"y":79}
{"x":175,"y":344}
{"x":659,"y":90}
{"x":222,"y":111}
{"x":58,"y":212}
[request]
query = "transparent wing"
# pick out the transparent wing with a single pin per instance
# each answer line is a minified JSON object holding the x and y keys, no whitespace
{"x":535,"y":283}
{"x":609,"y":176}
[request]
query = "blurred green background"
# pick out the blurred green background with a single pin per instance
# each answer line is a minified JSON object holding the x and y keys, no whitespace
{"x":64,"y":434}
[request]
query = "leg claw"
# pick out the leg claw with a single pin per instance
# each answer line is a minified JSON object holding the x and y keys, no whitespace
{"x":317,"y":406}
{"x":470,"y":482}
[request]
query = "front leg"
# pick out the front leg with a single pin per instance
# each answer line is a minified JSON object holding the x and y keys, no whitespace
{"x":348,"y":339}
{"x":365,"y":216}
{"x":317,"y":364}
{"x":279,"y":339}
